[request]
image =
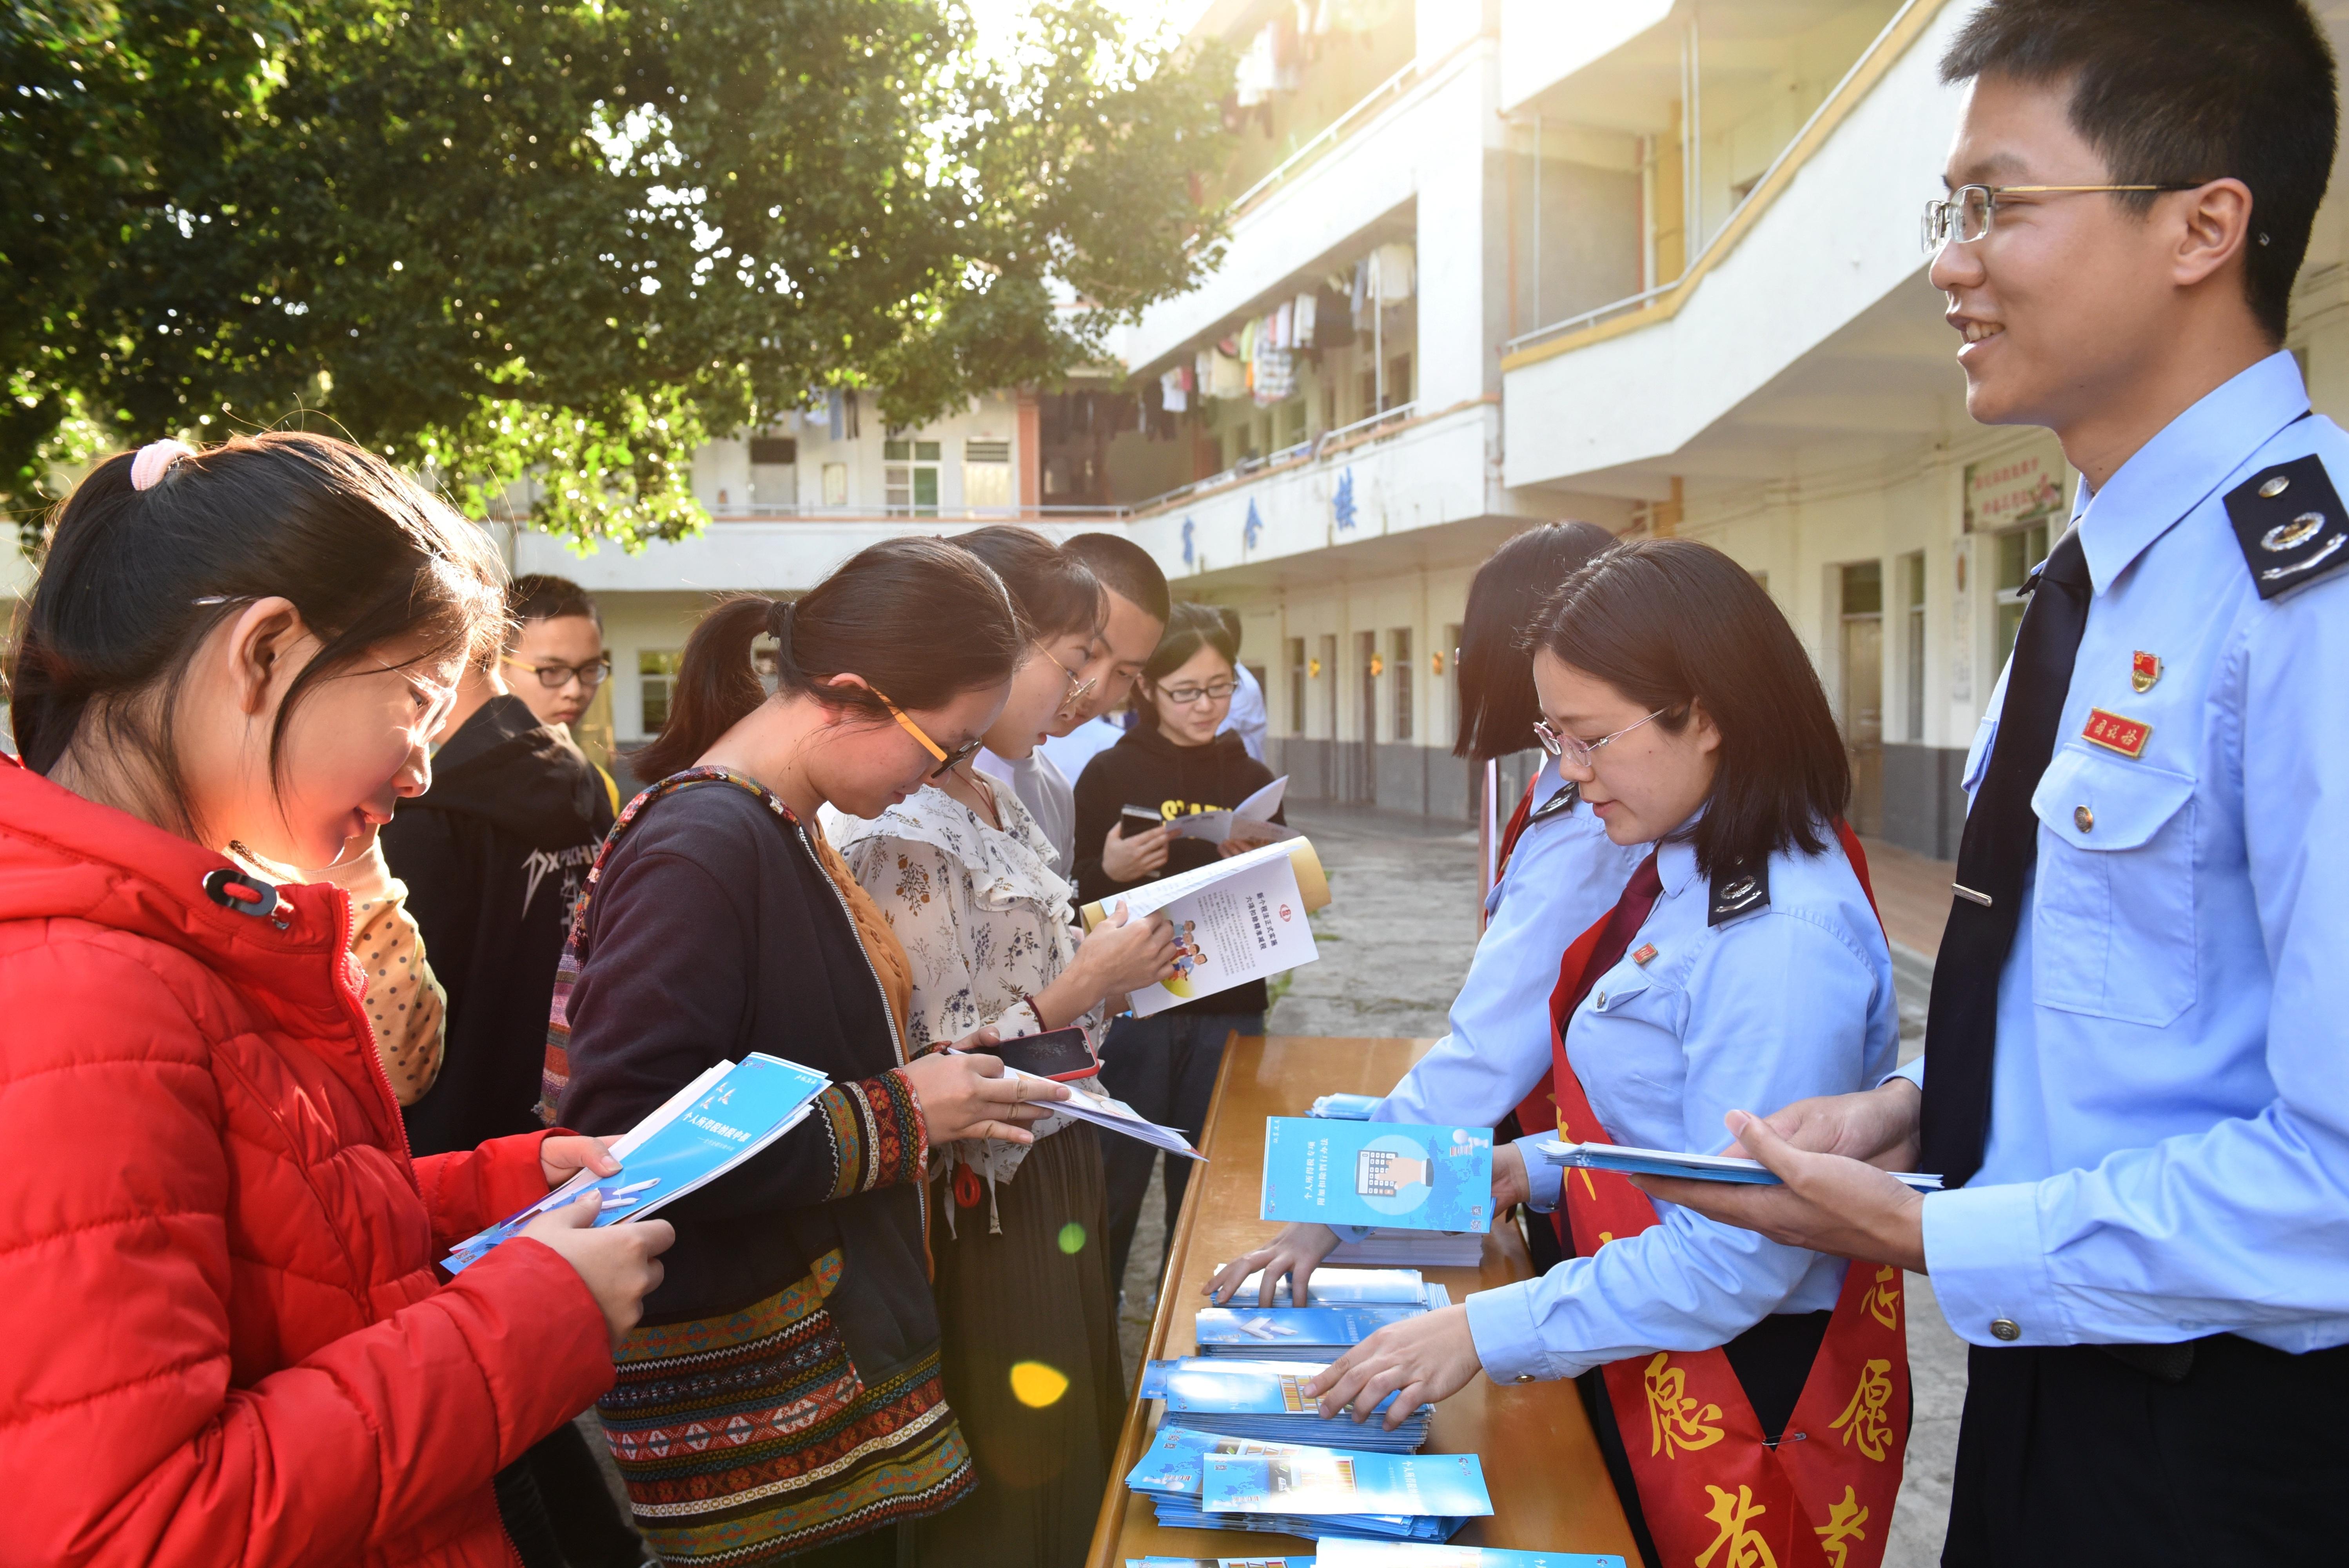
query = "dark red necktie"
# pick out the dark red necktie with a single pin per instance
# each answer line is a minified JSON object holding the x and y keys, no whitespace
{"x":1630,"y":912}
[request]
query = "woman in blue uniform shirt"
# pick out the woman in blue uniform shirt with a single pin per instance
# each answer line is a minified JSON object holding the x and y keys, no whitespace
{"x":1683,"y":706}
{"x":1559,"y":871}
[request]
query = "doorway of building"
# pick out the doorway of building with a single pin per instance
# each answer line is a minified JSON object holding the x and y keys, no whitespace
{"x":1366,"y":765}
{"x":1863,"y":690}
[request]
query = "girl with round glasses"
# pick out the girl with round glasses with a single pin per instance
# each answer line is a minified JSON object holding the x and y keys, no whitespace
{"x":1171,"y":764}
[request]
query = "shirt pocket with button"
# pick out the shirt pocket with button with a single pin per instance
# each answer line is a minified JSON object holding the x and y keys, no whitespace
{"x":2114,"y":932}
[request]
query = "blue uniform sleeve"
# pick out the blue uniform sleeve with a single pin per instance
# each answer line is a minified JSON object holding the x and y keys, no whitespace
{"x":1781,"y":1009}
{"x":2244,"y":1225}
{"x":1498,"y":1047}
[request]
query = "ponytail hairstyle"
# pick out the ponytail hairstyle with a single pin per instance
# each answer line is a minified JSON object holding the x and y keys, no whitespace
{"x":1190,"y":626}
{"x":1056,"y":593}
{"x":1498,"y":703}
{"x":920,"y":619}
{"x":1667,"y":621}
{"x":153,"y":549}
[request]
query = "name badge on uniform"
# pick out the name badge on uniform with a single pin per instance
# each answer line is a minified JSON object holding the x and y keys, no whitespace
{"x":2113,"y":732}
{"x":1645,"y":955}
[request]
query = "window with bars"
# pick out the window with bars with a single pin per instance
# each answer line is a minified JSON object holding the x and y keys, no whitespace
{"x":909,"y":477}
{"x":655,"y":684}
{"x":986,"y":475}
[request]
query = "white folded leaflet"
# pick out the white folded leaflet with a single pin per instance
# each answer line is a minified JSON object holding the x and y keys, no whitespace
{"x":1688,"y":1166}
{"x":1117,"y":1115}
{"x":1250,"y":820}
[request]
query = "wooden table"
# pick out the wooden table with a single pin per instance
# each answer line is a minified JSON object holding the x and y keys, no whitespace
{"x":1549,"y":1486}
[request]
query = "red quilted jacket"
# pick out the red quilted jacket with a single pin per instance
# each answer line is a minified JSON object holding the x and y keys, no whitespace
{"x":222,"y":1338}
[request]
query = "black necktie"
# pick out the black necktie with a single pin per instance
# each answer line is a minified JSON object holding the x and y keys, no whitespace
{"x":1994,"y":858}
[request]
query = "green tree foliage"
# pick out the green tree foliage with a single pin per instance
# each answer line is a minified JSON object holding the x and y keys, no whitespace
{"x":572,"y":241}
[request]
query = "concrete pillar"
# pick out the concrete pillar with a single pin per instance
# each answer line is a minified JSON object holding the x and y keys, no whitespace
{"x":1027,"y":448}
{"x":1462,"y":289}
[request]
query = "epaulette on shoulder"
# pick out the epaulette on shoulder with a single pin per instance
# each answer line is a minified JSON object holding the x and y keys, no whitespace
{"x":1738,"y":889}
{"x":2290,"y":522}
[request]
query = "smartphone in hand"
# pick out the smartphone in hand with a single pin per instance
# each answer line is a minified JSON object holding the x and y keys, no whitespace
{"x":1135,"y":820}
{"x":1059,"y":1055}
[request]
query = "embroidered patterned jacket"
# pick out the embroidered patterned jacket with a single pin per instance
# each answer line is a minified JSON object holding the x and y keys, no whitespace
{"x":796,"y":1314}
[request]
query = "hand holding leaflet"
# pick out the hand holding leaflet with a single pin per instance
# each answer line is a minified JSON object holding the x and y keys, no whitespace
{"x":1240,"y":918}
{"x":716,"y":1122}
{"x":1688,"y":1166}
{"x":1117,"y":1115}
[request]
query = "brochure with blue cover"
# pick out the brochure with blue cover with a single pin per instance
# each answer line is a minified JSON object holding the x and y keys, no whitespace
{"x":1346,"y":1106}
{"x":1340,"y":1481}
{"x":1631,"y":1161}
{"x":716,"y":1123}
{"x":1389,"y":1174}
{"x":1171,"y":1465}
{"x":1293,"y":1332}
{"x":1267,"y":1400}
{"x":1345,"y":1287}
{"x":1409,"y":1554}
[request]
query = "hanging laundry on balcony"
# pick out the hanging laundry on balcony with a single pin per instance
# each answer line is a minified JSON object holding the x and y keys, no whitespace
{"x":1302,"y":311}
{"x":1276,"y":376}
{"x":1284,"y":327}
{"x":1172,"y":393}
{"x":1220,"y":374}
{"x":1393,"y":267}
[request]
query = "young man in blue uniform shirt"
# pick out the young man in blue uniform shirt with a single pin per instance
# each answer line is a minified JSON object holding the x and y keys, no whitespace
{"x":2136,"y":1071}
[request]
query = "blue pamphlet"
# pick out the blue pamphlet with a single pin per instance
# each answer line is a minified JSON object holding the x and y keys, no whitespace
{"x":1345,"y":1287}
{"x":1346,"y":1106}
{"x":1403,"y":1554}
{"x":1279,"y":1332}
{"x":1171,"y":1465}
{"x":1336,"y":1481}
{"x":1630,"y":1162}
{"x":1392,"y":1175}
{"x":1267,"y":1400}
{"x":717,"y":1122}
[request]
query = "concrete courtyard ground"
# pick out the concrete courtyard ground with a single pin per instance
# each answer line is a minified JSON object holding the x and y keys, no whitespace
{"x":1394,"y":942}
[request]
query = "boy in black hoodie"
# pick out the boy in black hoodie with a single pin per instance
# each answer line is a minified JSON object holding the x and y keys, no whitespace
{"x":1174,"y":763}
{"x":495,"y":855}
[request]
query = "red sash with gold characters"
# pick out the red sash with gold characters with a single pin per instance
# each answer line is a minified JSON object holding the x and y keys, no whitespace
{"x":1714,"y":1494}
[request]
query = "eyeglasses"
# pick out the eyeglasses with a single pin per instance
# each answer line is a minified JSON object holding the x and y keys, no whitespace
{"x":555,"y":677}
{"x":1077,"y":688}
{"x":947,"y":760}
{"x":1183,"y":697}
{"x":438,"y":701}
{"x":1568,"y":748}
{"x":1966,"y":216}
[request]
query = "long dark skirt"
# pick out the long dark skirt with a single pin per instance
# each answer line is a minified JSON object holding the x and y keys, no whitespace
{"x":1018,"y":1312}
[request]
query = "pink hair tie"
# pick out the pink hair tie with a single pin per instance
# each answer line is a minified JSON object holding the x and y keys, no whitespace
{"x":155,"y":459}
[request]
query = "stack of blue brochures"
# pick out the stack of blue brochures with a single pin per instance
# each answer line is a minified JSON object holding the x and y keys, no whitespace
{"x":1219,"y":1563}
{"x":1345,"y":1107}
{"x":1345,"y":1287}
{"x":1300,"y":1333}
{"x":1385,"y":1174}
{"x":703,"y":1130}
{"x":1267,"y":1400}
{"x":1349,"y":1553}
{"x":1199,"y":1480}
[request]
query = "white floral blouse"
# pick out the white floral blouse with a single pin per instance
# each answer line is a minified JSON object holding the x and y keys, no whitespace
{"x":984,"y":921}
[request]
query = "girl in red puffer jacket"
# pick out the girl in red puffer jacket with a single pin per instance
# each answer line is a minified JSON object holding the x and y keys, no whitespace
{"x":226,"y":1339}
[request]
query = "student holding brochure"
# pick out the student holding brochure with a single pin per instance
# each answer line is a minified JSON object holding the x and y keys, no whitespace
{"x":1744,"y":965}
{"x":226,"y":1339}
{"x":1174,"y":763}
{"x":965,"y":878}
{"x":719,"y":923}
